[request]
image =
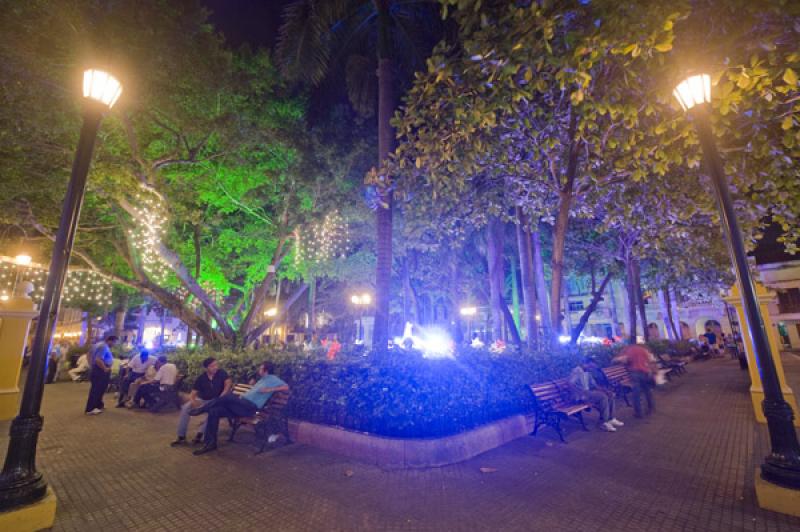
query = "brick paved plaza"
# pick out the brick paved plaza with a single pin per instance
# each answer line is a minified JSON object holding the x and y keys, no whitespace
{"x":689,"y":467}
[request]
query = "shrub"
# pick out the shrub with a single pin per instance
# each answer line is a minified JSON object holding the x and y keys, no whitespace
{"x":401,"y":393}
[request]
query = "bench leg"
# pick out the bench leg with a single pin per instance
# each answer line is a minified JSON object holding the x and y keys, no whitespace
{"x":536,"y":424}
{"x":235,"y":424}
{"x":580,"y":418}
{"x":557,"y":426}
{"x":624,"y":395}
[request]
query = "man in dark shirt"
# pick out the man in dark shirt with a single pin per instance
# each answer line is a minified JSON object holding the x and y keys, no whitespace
{"x":212,"y":383}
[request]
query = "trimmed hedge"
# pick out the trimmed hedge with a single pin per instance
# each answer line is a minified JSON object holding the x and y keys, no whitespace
{"x":400,"y":393}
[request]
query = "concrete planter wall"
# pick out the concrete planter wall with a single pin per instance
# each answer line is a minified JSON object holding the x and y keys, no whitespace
{"x":392,"y":453}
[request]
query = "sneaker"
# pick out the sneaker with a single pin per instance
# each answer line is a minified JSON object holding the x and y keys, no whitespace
{"x":94,"y":412}
{"x":617,"y":423}
{"x":273,"y":438}
{"x":180,"y":441}
{"x":608,"y":427}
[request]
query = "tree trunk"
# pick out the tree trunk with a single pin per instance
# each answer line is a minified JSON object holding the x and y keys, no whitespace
{"x":509,"y":320}
{"x":637,"y":279}
{"x":89,"y":328}
{"x":163,"y":326}
{"x":312,"y":305}
{"x":557,"y":261}
{"x":514,"y":293}
{"x":567,"y":331}
{"x":565,"y":196}
{"x":386,"y":106}
{"x":455,"y":299}
{"x":631,"y":291}
{"x":666,"y":311}
{"x":140,"y":325}
{"x":526,"y":272}
{"x":596,"y":296}
{"x":119,"y":316}
{"x":494,"y":258}
{"x":541,"y":285}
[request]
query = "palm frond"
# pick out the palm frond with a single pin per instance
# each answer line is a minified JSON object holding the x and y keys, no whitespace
{"x":362,"y":86}
{"x":311,"y":31}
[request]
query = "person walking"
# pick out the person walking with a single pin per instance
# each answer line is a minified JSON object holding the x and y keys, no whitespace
{"x":212,"y":383}
{"x":233,"y":406}
{"x":638,"y":361}
{"x":100,"y":362}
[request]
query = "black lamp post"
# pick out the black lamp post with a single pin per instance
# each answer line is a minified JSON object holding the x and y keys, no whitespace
{"x":782,"y":465}
{"x":361,"y":302}
{"x":20,"y":482}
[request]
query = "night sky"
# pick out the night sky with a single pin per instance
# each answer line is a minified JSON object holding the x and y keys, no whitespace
{"x":253,"y":22}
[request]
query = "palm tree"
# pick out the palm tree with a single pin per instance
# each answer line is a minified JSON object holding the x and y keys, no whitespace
{"x":316,"y":35}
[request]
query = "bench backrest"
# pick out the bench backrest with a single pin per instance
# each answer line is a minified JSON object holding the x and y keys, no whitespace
{"x":550,"y":393}
{"x":616,"y":373}
{"x":277,"y":402}
{"x":241,"y":388}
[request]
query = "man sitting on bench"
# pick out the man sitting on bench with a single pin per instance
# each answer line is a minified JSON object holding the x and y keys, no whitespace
{"x":585,"y":388}
{"x":231,"y":406}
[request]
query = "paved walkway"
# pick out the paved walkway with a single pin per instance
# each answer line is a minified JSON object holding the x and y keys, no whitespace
{"x":688,"y":467}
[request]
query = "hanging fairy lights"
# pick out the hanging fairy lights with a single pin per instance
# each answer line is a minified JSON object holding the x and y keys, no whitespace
{"x":323,"y":240}
{"x":149,"y":226}
{"x":80,"y":288}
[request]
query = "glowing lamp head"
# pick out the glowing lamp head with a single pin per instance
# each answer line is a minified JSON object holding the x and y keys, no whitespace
{"x":101,"y":87}
{"x":469,"y":311}
{"x":272,"y":312}
{"x":23,"y":260}
{"x":366,"y":299}
{"x":4,"y":297}
{"x":694,"y":90}
{"x":356,"y":300}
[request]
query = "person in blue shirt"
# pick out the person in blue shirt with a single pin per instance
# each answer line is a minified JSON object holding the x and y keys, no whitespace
{"x":231,"y":406}
{"x":100,"y":362}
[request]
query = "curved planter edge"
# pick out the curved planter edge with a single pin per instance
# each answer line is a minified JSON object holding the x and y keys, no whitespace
{"x":392,"y":453}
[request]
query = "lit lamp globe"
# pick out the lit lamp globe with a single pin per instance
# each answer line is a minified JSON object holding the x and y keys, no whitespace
{"x":366,"y":299}
{"x":271,"y":312}
{"x":468,"y":311}
{"x":693,"y":91}
{"x":356,"y":300}
{"x":23,"y":260}
{"x":101,"y":87}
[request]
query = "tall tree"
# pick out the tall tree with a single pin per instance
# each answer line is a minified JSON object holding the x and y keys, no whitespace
{"x":314,"y":36}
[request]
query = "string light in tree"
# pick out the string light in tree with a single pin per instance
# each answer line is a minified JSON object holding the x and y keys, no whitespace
{"x":149,"y":226}
{"x":81,"y":286}
{"x":323,"y":240}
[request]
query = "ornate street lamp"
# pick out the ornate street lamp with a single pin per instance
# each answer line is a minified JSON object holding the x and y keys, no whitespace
{"x":20,"y":482}
{"x":469,"y":313}
{"x":782,"y":465}
{"x":361,"y":301}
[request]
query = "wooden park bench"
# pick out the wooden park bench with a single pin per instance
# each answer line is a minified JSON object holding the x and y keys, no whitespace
{"x":169,"y":396}
{"x":620,"y":381}
{"x":673,"y":367}
{"x":554,"y":402}
{"x":267,"y":421}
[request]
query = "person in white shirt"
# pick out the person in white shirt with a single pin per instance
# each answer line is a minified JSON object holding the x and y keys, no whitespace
{"x":136,"y":369}
{"x":80,"y":369}
{"x":164,"y":379}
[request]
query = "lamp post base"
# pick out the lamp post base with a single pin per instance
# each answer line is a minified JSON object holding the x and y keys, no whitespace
{"x":777,"y":498}
{"x":36,"y":516}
